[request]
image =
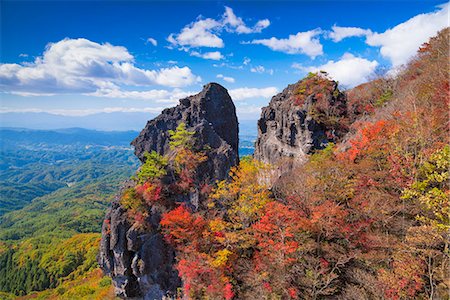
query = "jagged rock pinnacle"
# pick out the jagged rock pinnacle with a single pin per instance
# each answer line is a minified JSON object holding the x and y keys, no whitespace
{"x":140,"y":262}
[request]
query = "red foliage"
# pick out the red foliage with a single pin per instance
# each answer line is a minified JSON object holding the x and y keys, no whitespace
{"x":150,"y":192}
{"x":139,"y":218}
{"x":107,"y":223}
{"x":197,"y":273}
{"x":405,"y":280}
{"x":182,"y":227}
{"x":186,"y":181}
{"x":276,"y":232}
{"x":228,"y":292}
{"x":293,"y":293}
{"x":368,"y":137}
{"x":267,"y":286}
{"x":324,"y":263}
{"x":328,"y":219}
{"x":191,"y":270}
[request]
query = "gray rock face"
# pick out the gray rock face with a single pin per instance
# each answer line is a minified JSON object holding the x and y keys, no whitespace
{"x":212,"y":115}
{"x":139,"y":260}
{"x":289,"y":130}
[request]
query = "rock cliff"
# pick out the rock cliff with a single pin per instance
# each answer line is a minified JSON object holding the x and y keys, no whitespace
{"x":304,"y":117}
{"x":212,"y":115}
{"x":139,"y":261}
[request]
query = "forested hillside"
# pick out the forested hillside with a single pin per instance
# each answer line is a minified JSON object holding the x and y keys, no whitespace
{"x":55,"y":187}
{"x":366,"y":218}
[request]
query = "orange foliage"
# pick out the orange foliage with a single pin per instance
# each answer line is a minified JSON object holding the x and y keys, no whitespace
{"x":369,"y":136}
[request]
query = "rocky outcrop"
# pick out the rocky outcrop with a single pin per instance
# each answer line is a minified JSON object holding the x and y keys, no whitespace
{"x":304,"y":117}
{"x":212,"y":115}
{"x":139,"y":261}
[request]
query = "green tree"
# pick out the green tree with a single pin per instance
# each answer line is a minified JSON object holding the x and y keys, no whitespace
{"x":181,"y":137}
{"x":153,"y":168}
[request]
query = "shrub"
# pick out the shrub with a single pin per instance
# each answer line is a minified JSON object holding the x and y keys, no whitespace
{"x":153,"y":168}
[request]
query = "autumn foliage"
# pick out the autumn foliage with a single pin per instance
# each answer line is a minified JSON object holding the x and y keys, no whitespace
{"x":364,"y":219}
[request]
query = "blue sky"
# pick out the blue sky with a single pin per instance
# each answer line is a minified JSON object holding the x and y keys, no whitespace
{"x":78,"y":58}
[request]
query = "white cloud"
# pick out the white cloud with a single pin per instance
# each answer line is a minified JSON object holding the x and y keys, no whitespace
{"x":173,"y":76}
{"x":235,"y":24}
{"x":401,"y":42}
{"x":261,"y":70}
{"x":246,"y":93}
{"x":257,"y":69}
{"x":83,"y":66}
{"x":200,"y":33}
{"x":215,"y":55}
{"x":349,"y":70}
{"x":206,"y":32}
{"x":248,"y":112}
{"x":227,"y":79}
{"x":339,"y":33}
{"x":300,"y":43}
{"x":152,"y":41}
{"x":228,"y":65}
{"x":246,"y":61}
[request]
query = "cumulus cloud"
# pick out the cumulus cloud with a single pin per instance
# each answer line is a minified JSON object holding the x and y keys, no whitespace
{"x":350,"y":70}
{"x":201,"y":33}
{"x":300,"y":43}
{"x":152,"y":41}
{"x":226,"y":78}
{"x":401,"y":42}
{"x":246,"y":93}
{"x":339,"y":33}
{"x":83,"y":66}
{"x":206,"y":32}
{"x":215,"y":55}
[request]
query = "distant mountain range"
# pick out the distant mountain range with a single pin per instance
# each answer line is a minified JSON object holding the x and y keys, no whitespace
{"x":115,"y":121}
{"x":119,"y":121}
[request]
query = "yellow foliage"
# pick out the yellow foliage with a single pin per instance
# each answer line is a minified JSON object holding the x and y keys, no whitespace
{"x":245,"y":194}
{"x":431,"y":190}
{"x":221,"y":258}
{"x":217,"y":225}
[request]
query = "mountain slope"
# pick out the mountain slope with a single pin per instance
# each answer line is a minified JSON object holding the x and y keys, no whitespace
{"x":365,"y":218}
